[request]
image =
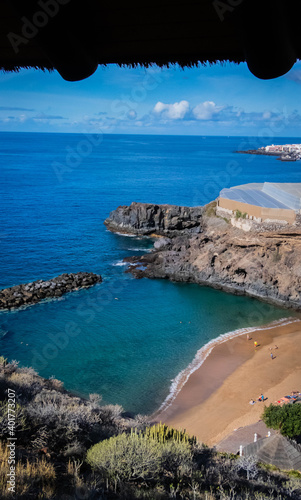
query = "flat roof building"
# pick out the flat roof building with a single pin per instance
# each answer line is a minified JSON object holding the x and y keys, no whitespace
{"x":263,"y":201}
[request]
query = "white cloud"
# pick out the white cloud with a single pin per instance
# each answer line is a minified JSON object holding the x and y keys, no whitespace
{"x":176,"y":111}
{"x":206,"y":110}
{"x":266,"y":115}
{"x":132,"y":115}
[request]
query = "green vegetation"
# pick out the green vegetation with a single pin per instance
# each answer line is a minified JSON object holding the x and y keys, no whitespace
{"x":240,"y":215}
{"x":140,"y":456}
{"x":286,"y":418}
{"x":210,"y":209}
{"x":294,"y":473}
{"x":69,"y":447}
{"x":225,"y":219}
{"x":3,"y":361}
{"x":162,"y":433}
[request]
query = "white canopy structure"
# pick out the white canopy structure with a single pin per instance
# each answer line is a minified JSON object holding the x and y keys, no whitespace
{"x":267,"y":201}
{"x":267,"y":194}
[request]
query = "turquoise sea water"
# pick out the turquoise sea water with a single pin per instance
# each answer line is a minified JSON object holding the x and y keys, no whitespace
{"x":125,"y":339}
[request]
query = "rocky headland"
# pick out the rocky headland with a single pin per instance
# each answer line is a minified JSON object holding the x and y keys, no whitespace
{"x":282,"y":155}
{"x":31,"y":293}
{"x":147,"y":219}
{"x":260,"y":152}
{"x":262,"y":263}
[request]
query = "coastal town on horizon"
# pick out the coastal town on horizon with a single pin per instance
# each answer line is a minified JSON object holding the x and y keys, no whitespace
{"x":285,"y":152}
{"x":282,"y":148}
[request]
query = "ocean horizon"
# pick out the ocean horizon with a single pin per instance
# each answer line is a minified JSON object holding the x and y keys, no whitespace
{"x":126,"y":339}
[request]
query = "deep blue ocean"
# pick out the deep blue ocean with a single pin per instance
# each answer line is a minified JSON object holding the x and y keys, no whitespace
{"x":125,"y":339}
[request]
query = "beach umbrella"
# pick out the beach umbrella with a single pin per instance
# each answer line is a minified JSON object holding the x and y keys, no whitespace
{"x":276,"y":450}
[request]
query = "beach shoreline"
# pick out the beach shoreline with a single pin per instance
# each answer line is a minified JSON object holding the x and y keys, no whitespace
{"x":211,"y":397}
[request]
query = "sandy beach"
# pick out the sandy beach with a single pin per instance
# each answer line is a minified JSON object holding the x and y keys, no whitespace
{"x":215,"y":399}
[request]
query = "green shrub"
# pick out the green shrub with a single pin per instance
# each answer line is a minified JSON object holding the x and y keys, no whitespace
{"x":294,"y":473}
{"x":126,"y":457}
{"x":3,"y":361}
{"x":287,"y":418}
{"x":225,"y":219}
{"x":176,"y":458}
{"x":162,"y":433}
{"x":240,"y":215}
{"x":268,"y":467}
{"x":142,"y":455}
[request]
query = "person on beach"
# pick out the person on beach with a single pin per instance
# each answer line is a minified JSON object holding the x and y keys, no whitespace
{"x":272,"y":357}
{"x":276,"y":347}
{"x":262,"y":397}
{"x":255,"y":344}
{"x":252,"y":402}
{"x":248,"y":337}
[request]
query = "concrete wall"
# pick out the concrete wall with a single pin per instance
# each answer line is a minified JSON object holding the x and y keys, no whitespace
{"x":258,"y":212}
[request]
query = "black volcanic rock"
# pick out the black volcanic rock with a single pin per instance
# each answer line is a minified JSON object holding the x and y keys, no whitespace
{"x":199,"y":247}
{"x":261,"y":265}
{"x":34,"y":292}
{"x":164,"y":220}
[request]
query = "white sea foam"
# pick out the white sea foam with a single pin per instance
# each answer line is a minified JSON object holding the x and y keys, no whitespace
{"x":181,"y":379}
{"x":127,"y":235}
{"x":140,"y":249}
{"x":120,"y":263}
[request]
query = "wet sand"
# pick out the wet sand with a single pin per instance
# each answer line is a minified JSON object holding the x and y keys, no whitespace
{"x":215,"y":399}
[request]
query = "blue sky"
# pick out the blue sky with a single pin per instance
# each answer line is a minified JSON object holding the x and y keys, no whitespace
{"x":214,"y":100}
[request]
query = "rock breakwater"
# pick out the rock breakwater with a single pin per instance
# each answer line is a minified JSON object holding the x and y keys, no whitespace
{"x":147,"y":219}
{"x":31,"y":293}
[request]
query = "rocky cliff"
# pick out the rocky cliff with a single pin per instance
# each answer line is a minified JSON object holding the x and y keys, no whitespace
{"x":265,"y":265}
{"x":31,"y":293}
{"x":146,"y":219}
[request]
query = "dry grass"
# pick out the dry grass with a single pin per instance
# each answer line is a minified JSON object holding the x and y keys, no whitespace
{"x":34,"y":479}
{"x":210,"y":209}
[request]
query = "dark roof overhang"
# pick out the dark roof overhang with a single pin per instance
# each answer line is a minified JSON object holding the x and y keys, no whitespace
{"x":75,"y":36}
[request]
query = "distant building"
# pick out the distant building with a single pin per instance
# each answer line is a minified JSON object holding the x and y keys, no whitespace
{"x":263,"y":202}
{"x":290,"y":148}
